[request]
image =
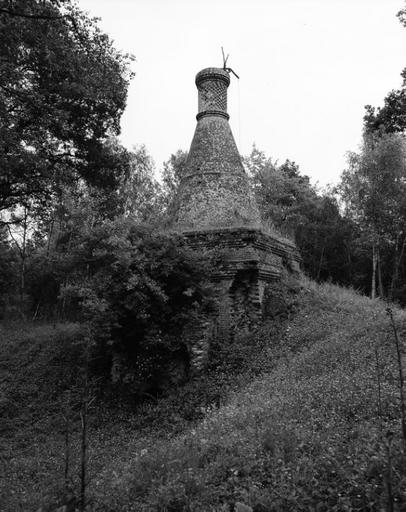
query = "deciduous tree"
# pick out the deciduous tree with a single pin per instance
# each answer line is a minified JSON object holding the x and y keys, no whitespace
{"x":392,"y":116}
{"x":289,"y":202}
{"x":373,"y":189}
{"x":63,"y":89}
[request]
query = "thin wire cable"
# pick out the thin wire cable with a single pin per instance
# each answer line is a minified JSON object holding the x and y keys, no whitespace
{"x":239,"y":117}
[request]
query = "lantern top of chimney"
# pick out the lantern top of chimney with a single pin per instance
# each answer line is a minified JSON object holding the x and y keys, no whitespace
{"x":212,"y":74}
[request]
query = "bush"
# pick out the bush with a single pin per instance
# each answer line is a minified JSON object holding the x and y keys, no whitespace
{"x":140,"y":292}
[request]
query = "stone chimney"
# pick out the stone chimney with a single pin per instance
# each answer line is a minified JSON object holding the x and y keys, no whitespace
{"x":214,"y":192}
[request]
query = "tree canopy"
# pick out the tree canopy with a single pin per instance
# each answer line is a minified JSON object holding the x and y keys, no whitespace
{"x":392,"y":116}
{"x":63,"y":89}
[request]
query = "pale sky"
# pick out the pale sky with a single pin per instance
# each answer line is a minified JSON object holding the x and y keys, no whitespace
{"x":306,"y":67}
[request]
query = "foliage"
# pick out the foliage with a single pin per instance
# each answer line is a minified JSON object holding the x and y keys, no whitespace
{"x":234,"y":366}
{"x":140,"y":194}
{"x":137,"y":289}
{"x":382,"y":188}
{"x":173,"y":171}
{"x":7,"y":271}
{"x":62,"y":90}
{"x":42,"y":243}
{"x":289,"y":202}
{"x":373,"y":186}
{"x":306,"y":434}
{"x":373,"y":192}
{"x":391,"y":117}
{"x":140,"y":291}
{"x":280,"y":189}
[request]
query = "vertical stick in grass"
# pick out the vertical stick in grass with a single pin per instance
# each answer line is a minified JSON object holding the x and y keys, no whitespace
{"x":83,"y":465}
{"x":378,"y":377}
{"x":401,"y":376}
{"x":389,"y":437}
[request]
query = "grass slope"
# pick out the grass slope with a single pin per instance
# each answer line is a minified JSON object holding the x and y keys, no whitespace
{"x":303,"y":436}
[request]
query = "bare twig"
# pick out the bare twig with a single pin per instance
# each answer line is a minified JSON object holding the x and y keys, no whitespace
{"x":13,"y":238}
{"x":378,"y":377}
{"x":36,"y":311}
{"x":401,"y":376}
{"x":389,"y":438}
{"x":83,"y":462}
{"x":87,"y":401}
{"x":67,"y":452}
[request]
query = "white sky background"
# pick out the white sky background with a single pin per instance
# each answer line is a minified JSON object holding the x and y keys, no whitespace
{"x":306,"y":67}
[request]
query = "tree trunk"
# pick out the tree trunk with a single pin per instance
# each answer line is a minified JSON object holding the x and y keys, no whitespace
{"x":374,"y":262}
{"x":320,"y":263}
{"x":380,"y":284}
{"x":23,"y":254}
{"x":50,"y":233}
{"x":398,"y":260}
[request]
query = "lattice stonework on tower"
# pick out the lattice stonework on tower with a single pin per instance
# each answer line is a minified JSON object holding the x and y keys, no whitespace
{"x":213,"y":96}
{"x":214,"y":191}
{"x":212,"y":84}
{"x":215,"y":209}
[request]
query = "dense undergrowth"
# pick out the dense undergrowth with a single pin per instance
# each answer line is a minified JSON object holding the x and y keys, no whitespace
{"x":292,"y":424}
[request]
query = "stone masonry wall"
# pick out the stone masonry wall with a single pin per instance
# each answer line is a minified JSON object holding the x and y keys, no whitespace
{"x":214,"y":191}
{"x":249,"y":261}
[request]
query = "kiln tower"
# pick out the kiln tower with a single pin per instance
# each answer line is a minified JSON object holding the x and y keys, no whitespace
{"x":214,"y":192}
{"x":215,"y":208}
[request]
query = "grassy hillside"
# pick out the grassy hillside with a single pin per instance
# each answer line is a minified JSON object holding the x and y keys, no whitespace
{"x":305,"y":433}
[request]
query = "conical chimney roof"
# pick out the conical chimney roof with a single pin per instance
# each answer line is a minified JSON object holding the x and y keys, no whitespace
{"x":214,"y":191}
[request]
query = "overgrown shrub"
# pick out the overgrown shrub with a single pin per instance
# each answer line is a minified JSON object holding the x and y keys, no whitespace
{"x":139,"y":291}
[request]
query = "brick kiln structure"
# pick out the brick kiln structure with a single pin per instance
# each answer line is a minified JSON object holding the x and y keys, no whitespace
{"x":215,"y":208}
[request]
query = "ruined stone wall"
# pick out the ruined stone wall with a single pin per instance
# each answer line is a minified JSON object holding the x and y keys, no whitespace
{"x":249,"y":262}
{"x":244,"y":246}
